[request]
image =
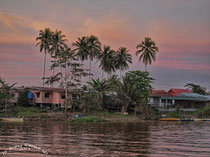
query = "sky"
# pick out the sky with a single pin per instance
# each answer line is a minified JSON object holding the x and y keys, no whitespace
{"x":180,"y":28}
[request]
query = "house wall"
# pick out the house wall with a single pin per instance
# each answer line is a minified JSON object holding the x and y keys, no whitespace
{"x":155,"y":102}
{"x":16,"y":95}
{"x":54,"y":97}
{"x":57,"y":98}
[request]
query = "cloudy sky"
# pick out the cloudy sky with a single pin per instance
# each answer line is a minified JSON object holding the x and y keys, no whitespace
{"x":180,"y":28}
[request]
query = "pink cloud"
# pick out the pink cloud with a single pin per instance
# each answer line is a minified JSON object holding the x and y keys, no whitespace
{"x":176,"y":64}
{"x":112,"y":30}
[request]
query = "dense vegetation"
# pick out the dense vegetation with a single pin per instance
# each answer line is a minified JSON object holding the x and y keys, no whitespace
{"x":129,"y":92}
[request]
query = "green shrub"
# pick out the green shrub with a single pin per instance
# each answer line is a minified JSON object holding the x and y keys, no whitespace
{"x":203,"y":112}
{"x":22,"y":99}
{"x":24,"y":111}
{"x":174,"y":115}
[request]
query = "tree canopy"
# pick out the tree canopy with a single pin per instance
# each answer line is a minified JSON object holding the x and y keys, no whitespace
{"x":196,"y":88}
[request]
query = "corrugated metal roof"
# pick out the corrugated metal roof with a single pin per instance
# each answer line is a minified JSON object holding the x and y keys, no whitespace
{"x":48,"y":89}
{"x":176,"y":91}
{"x":159,"y":93}
{"x":189,"y":96}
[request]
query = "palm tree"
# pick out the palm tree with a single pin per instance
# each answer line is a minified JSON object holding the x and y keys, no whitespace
{"x":81,"y":49}
{"x":148,"y":51}
{"x":94,"y":48}
{"x":122,"y":59}
{"x":100,"y":86}
{"x":133,"y":88}
{"x":107,"y":58}
{"x":57,"y":42}
{"x":44,"y":39}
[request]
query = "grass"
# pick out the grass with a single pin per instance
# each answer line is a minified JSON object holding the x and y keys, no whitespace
{"x":88,"y":119}
{"x":116,"y":116}
{"x":26,"y":111}
{"x":203,"y":112}
{"x":174,"y":115}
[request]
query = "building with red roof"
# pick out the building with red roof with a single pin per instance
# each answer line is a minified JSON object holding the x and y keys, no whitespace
{"x":175,"y":91}
{"x":155,"y":97}
{"x":159,"y":93}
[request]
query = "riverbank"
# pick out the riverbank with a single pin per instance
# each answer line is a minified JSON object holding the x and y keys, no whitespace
{"x":34,"y":114}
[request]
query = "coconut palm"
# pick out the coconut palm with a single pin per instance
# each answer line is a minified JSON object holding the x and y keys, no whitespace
{"x":44,"y":39}
{"x":122,"y":59}
{"x":81,"y":49}
{"x":94,"y":48}
{"x":107,"y":59}
{"x":148,"y":50}
{"x":57,"y":42}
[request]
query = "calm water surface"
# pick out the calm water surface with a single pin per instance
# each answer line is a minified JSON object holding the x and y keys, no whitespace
{"x":61,"y":139}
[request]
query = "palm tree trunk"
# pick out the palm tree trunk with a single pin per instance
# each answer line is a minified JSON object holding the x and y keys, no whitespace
{"x":102,"y":76}
{"x":81,"y":75}
{"x":66,"y":93}
{"x":89,"y":70}
{"x":145,"y":67}
{"x":5,"y":109}
{"x":43,"y":78}
{"x":53,"y":73}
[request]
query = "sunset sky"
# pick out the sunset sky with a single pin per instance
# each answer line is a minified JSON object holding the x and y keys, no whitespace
{"x":180,"y":28}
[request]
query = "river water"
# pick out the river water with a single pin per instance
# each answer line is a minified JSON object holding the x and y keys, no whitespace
{"x":63,"y":139}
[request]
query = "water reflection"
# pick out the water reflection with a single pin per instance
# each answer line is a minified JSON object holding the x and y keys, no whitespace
{"x":107,"y":139}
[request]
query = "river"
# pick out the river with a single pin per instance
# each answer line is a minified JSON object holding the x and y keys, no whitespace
{"x":63,"y":139}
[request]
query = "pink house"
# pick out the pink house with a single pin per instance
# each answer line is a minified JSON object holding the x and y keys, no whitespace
{"x":47,"y":96}
{"x":42,"y":96}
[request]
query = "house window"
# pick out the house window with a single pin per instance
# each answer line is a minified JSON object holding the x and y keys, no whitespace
{"x":38,"y":94}
{"x":63,"y":96}
{"x":47,"y":95}
{"x":170,"y":101}
{"x":163,"y":101}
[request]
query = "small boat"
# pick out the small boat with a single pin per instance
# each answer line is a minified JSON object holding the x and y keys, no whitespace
{"x":12,"y":119}
{"x":199,"y":119}
{"x":169,"y":119}
{"x":206,"y":119}
{"x":187,"y":120}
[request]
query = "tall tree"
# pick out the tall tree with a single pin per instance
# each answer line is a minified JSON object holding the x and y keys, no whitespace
{"x":94,"y":48}
{"x":107,"y":59}
{"x":122,"y":59}
{"x":57,"y":44}
{"x":81,"y":49}
{"x":196,"y":88}
{"x":148,"y":50}
{"x":44,"y":39}
{"x":68,"y":77}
